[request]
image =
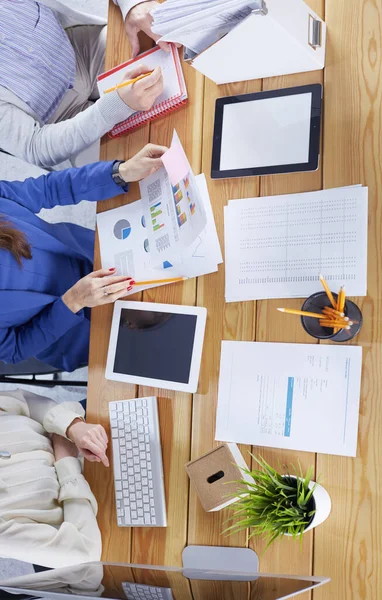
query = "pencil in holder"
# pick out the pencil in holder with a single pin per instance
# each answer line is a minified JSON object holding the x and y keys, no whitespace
{"x":315,"y":303}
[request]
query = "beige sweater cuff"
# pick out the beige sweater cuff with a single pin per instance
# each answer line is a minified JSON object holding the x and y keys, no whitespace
{"x":73,"y":485}
{"x":58,"y":418}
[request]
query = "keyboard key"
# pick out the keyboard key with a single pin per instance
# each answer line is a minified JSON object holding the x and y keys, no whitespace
{"x":147,"y":519}
{"x":114,"y":433}
{"x":113,"y":423}
{"x":124,"y":468}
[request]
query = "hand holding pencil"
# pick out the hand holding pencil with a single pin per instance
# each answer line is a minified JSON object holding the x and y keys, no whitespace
{"x":140,"y":87}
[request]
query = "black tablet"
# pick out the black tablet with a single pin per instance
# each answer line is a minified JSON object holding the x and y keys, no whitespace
{"x":277,"y":131}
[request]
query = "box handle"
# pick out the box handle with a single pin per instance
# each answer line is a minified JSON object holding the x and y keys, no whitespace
{"x":315,"y":33}
{"x":215,"y":477}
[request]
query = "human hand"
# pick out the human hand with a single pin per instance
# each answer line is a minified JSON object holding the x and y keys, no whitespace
{"x":147,"y":161}
{"x":140,"y":19}
{"x":142,"y":94}
{"x":97,"y":288}
{"x":91,"y":440}
{"x":62,"y":447}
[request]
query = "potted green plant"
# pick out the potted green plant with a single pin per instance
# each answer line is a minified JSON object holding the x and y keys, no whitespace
{"x":274,"y":504}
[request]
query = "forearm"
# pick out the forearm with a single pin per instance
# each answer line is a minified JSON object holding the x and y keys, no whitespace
{"x":92,"y":182}
{"x":49,"y":145}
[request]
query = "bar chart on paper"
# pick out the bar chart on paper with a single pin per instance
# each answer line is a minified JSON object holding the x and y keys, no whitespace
{"x":156,"y":213}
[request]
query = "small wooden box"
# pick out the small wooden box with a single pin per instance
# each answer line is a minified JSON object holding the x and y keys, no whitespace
{"x":215,"y":475}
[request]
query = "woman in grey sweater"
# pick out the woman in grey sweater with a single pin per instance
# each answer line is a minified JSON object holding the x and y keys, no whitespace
{"x":50,"y":57}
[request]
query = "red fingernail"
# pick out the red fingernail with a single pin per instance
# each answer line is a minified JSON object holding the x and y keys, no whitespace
{"x":130,"y":288}
{"x":112,"y":269}
{"x":132,"y":282}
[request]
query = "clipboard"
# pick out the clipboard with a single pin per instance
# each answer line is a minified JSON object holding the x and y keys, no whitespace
{"x":278,"y":38}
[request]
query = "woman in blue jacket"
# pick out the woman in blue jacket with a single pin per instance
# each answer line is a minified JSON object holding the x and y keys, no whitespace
{"x":47,"y":282}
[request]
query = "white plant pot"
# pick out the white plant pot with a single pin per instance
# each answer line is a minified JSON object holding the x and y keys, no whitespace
{"x":323,"y":505}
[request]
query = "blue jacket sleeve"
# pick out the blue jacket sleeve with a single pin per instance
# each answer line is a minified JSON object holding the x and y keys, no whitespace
{"x":92,"y":182}
{"x":22,"y":342}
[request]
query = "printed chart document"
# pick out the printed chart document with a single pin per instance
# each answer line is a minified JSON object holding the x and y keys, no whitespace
{"x":294,"y":396}
{"x":277,"y":246}
{"x":170,"y":232}
{"x":173,"y":207}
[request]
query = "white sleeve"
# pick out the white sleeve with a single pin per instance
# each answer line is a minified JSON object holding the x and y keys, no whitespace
{"x":54,"y":417}
{"x":80,"y":579}
{"x":77,"y":540}
{"x":127,"y":5}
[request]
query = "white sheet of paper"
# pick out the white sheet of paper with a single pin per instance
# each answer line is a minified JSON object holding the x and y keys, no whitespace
{"x":295,"y":396}
{"x":124,"y":244}
{"x":266,"y":133}
{"x":277,"y":246}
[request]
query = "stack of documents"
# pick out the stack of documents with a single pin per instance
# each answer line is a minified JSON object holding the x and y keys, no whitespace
{"x":277,"y":246}
{"x":200,"y":23}
{"x":169,"y":233}
{"x":294,"y":396}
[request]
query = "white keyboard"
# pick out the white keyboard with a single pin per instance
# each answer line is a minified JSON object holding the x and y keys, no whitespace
{"x":137,"y":459}
{"x":138,"y":591}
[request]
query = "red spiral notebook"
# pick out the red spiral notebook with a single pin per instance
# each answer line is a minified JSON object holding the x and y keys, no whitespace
{"x":174,"y":94}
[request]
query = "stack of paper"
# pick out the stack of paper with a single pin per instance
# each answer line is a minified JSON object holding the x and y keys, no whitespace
{"x":199,"y":23}
{"x":295,"y":396}
{"x":276,"y":247}
{"x":169,"y":233}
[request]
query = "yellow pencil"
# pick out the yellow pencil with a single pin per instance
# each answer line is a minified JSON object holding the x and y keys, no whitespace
{"x":302,"y":313}
{"x":158,"y":281}
{"x":341,"y":299}
{"x":125,"y":83}
{"x":334,"y":314}
{"x":331,"y":323}
{"x":328,"y":292}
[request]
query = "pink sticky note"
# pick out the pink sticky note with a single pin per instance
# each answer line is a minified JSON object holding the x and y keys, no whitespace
{"x":176,"y":163}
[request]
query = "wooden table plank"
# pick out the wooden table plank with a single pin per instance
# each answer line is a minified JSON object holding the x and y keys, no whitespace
{"x":165,"y":545}
{"x":286,"y":555}
{"x":225,"y":321}
{"x":116,"y":540}
{"x":349,"y":549}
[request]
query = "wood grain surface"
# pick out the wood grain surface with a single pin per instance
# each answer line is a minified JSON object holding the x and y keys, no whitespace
{"x":347,"y":546}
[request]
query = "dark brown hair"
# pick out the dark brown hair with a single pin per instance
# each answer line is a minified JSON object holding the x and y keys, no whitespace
{"x":14,"y":241}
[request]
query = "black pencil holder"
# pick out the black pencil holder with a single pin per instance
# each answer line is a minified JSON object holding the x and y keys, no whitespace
{"x":315,"y":303}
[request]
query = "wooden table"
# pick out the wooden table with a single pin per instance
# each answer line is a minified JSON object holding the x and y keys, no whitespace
{"x":347,"y":547}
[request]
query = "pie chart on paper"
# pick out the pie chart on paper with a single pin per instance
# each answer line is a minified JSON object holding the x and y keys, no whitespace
{"x":122,"y":229}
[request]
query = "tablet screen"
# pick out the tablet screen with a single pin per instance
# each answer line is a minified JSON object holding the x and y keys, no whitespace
{"x":155,"y":345}
{"x":266,"y":132}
